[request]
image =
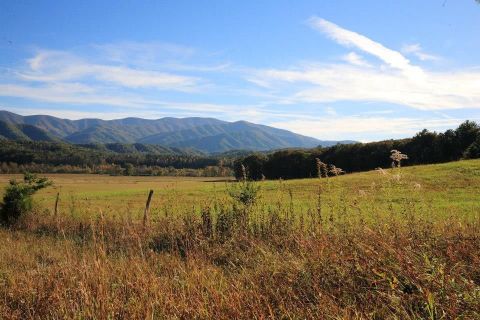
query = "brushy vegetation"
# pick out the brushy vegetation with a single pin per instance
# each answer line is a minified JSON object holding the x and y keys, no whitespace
{"x":115,"y":159}
{"x":17,"y":200}
{"x":360,"y":246}
{"x":424,"y":148}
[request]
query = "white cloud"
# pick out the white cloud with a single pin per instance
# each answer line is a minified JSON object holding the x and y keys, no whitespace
{"x":358,"y":128}
{"x":132,"y":79}
{"x":416,"y":50}
{"x":126,"y":104}
{"x":399,"y":82}
{"x":56,"y":66}
{"x":125,"y":75}
{"x":64,"y":93}
{"x":84,"y":95}
{"x":355,"y":59}
{"x":352,"y":39}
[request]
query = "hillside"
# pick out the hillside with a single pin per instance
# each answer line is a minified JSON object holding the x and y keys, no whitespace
{"x":26,"y":151}
{"x":203,"y":134}
{"x":232,"y":136}
{"x":25,"y":132}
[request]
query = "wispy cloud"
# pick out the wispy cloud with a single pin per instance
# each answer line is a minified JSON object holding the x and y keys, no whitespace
{"x":56,"y":66}
{"x":355,"y":59}
{"x":352,"y":39}
{"x":416,"y":50}
{"x":72,"y":93}
{"x":398,"y":82}
{"x":84,"y":95}
{"x":360,"y":128}
{"x":156,"y":79}
{"x":127,"y":76}
{"x":156,"y":55}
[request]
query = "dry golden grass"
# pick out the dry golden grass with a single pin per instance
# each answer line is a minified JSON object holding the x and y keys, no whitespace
{"x":340,"y":248}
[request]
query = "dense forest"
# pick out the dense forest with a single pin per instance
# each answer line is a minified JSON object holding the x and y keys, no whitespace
{"x":114,"y":158}
{"x":424,"y":148}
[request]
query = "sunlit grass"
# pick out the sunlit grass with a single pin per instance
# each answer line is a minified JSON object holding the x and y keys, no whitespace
{"x":452,"y":186}
{"x":403,"y":244}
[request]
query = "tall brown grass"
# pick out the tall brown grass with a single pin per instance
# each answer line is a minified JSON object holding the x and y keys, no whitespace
{"x":242,"y":259}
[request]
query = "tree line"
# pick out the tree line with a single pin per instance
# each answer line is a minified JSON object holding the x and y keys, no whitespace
{"x":424,"y":148}
{"x":51,"y":157}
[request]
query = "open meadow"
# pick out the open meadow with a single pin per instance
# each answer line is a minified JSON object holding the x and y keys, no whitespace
{"x":240,"y":160}
{"x":402,"y":243}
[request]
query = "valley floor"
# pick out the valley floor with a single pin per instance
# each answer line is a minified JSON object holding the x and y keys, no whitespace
{"x":399,"y":244}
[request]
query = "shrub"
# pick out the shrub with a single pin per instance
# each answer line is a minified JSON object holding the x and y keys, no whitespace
{"x":473,"y":151}
{"x":18,"y":197}
{"x":129,"y":169}
{"x":245,"y":192}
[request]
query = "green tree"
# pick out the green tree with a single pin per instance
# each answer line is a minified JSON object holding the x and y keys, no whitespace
{"x":423,"y":146}
{"x":466,"y":133}
{"x":473,"y":151}
{"x":18,"y":197}
{"x":254,"y":166}
{"x":129,"y":169}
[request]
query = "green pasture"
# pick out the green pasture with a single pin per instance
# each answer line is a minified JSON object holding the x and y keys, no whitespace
{"x":441,"y":190}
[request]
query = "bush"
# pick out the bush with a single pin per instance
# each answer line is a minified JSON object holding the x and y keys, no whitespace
{"x":473,"y":151}
{"x":18,"y":197}
{"x":245,"y":193}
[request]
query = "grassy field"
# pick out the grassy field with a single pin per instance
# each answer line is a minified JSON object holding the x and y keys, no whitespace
{"x":449,"y":188}
{"x":86,"y":194}
{"x":393,"y":244}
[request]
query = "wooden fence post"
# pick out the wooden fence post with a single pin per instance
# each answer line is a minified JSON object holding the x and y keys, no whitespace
{"x":55,"y":211}
{"x":147,"y":208}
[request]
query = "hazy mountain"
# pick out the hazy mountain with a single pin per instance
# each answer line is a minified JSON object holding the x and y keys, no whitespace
{"x":203,"y":134}
{"x":232,"y":136}
{"x":12,"y":131}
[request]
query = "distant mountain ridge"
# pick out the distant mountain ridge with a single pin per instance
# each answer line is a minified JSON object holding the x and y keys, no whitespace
{"x":203,"y":134}
{"x":25,"y":132}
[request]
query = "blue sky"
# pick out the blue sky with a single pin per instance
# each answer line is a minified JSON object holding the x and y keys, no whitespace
{"x":363,"y":70}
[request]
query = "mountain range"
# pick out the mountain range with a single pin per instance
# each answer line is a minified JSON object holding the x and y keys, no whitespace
{"x":12,"y":131}
{"x":203,"y":134}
